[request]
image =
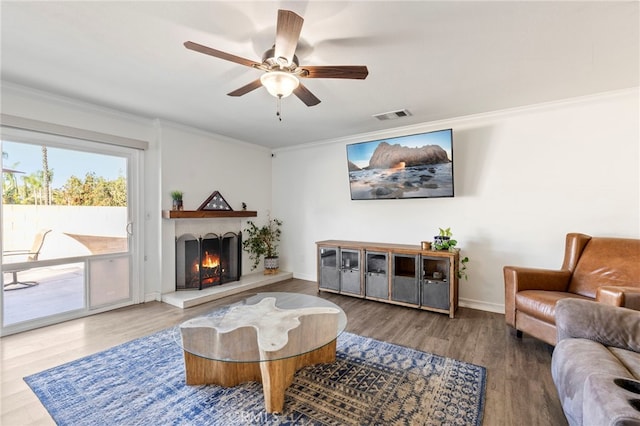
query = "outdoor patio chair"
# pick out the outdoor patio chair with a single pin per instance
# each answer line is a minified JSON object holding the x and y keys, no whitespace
{"x":29,"y":256}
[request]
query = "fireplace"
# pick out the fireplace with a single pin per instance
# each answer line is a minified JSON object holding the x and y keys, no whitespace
{"x":207,"y":261}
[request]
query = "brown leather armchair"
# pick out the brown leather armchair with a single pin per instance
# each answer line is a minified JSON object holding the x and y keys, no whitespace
{"x":606,"y":270}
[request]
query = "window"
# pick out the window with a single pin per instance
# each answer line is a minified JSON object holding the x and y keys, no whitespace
{"x":68,"y":210}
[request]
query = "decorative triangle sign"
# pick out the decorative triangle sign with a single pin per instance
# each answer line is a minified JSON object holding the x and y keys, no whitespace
{"x":215,"y":202}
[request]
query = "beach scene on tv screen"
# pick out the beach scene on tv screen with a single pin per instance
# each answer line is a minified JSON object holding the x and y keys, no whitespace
{"x":413,"y":166}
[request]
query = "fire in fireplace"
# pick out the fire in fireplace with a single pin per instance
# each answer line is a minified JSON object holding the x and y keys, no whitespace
{"x":207,"y":261}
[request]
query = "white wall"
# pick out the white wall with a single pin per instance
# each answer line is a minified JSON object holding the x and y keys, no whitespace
{"x":198,"y":164}
{"x":178,"y":158}
{"x":523,"y":179}
{"x":37,"y":105}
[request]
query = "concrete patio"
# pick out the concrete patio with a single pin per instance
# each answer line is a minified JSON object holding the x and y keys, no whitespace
{"x":60,"y":289}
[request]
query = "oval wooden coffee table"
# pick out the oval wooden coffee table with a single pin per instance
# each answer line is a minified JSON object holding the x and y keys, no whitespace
{"x":265,"y":338}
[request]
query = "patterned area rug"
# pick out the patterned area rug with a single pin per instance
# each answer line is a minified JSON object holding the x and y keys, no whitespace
{"x":371,"y":383}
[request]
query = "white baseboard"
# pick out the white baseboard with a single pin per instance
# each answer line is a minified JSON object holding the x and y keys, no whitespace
{"x":481,"y":306}
{"x":154,"y":296}
{"x":305,"y":277}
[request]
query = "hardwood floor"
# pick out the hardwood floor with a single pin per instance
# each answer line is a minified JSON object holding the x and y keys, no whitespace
{"x":519,"y":385}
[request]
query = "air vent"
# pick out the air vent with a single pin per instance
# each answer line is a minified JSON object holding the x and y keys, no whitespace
{"x":393,"y":115}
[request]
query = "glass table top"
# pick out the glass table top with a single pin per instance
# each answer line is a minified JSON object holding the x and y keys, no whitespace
{"x":267,"y":326}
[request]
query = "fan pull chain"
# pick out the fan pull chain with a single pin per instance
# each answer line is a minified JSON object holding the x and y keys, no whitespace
{"x":279,"y":107}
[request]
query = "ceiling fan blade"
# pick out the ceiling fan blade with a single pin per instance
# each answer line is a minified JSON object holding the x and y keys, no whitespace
{"x":359,"y":72}
{"x":287,"y":34}
{"x":219,"y":54}
{"x":246,"y":88}
{"x":305,"y":95}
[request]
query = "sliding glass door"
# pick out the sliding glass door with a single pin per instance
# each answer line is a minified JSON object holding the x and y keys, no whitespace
{"x":68,"y":219}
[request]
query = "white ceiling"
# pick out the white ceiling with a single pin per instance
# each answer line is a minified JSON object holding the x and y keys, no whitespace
{"x":437,"y":59}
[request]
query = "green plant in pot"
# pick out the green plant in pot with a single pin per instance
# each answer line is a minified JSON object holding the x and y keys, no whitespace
{"x":443,"y":241}
{"x":263,"y":241}
{"x":176,"y":196}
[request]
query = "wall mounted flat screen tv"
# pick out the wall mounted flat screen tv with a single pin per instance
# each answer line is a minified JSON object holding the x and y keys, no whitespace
{"x":411,"y":166}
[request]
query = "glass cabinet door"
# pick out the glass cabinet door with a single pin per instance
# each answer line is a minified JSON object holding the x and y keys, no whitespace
{"x":329,"y":272}
{"x":435,"y":282}
{"x":350,"y":272}
{"x":404,"y":281}
{"x":376,"y":276}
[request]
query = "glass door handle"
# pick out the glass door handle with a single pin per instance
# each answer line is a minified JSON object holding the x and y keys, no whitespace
{"x":130,"y":229}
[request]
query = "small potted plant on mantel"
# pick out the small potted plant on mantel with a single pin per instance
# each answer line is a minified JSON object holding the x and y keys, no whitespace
{"x":443,"y":241}
{"x":263,"y":241}
{"x":176,"y":196}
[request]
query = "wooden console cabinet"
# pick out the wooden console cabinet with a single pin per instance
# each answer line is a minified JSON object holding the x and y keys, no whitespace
{"x":393,"y":273}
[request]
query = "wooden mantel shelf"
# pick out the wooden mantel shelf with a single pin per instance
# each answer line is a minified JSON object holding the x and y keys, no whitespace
{"x":206,"y":214}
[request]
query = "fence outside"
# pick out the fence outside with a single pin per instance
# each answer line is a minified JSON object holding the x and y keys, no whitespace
{"x":20,"y":223}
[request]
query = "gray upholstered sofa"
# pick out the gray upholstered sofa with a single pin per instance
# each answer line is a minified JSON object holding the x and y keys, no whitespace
{"x":596,"y":363}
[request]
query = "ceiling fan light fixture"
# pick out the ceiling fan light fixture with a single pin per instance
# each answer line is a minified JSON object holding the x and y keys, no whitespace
{"x":280,"y":84}
{"x":281,"y":66}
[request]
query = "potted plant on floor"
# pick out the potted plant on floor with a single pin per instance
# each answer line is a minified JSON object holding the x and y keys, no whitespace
{"x":263,"y":241}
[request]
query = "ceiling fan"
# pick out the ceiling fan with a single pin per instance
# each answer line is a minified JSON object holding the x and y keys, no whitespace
{"x":280,"y":64}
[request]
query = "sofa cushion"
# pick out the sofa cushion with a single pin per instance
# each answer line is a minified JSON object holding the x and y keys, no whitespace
{"x":573,"y":361}
{"x":608,"y":404}
{"x":606,"y":262}
{"x":630,"y":359}
{"x":541,"y":304}
{"x":592,"y":320}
